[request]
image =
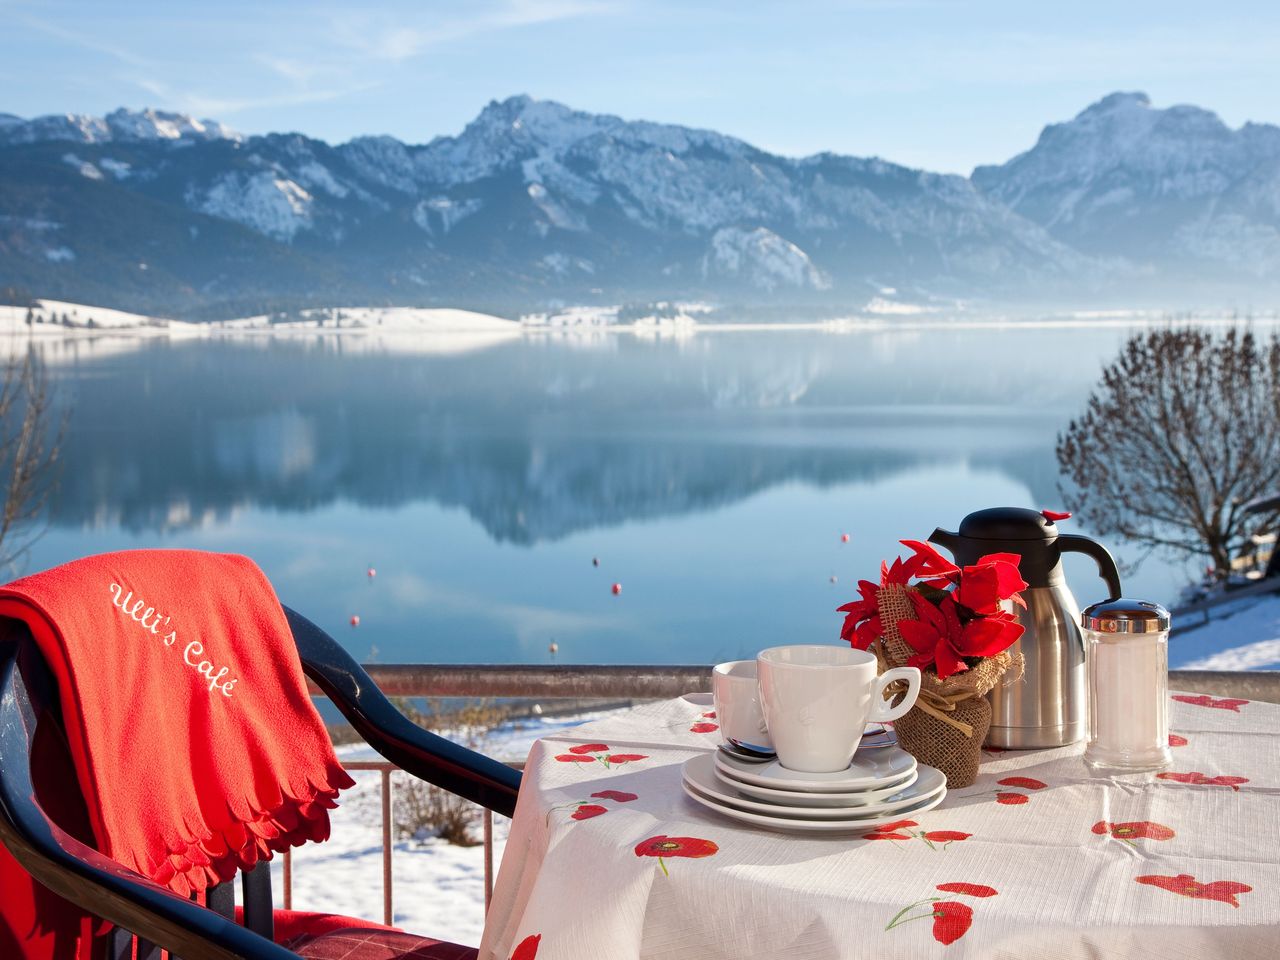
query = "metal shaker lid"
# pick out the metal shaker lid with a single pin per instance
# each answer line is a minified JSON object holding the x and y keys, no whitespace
{"x":1125,"y":616}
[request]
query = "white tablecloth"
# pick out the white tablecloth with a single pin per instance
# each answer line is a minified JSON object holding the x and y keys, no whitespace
{"x":1079,"y":867}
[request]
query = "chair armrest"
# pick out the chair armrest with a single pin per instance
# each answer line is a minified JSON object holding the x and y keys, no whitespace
{"x":427,"y":756}
{"x":84,"y":876}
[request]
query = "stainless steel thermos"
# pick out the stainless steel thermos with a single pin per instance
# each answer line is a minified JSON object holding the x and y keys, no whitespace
{"x":1048,"y":706}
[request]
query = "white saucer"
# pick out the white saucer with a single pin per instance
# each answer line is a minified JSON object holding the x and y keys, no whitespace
{"x":700,"y":774}
{"x":807,"y":798}
{"x":797,"y":825}
{"x":870,"y":770}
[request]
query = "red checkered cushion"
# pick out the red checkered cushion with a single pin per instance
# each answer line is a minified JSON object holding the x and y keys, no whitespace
{"x":361,"y":943}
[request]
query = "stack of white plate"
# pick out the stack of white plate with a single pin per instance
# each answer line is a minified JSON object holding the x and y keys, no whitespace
{"x":878,"y":787}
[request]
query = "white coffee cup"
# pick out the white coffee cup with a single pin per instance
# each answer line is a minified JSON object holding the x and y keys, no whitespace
{"x":817,"y":700}
{"x":737,"y":700}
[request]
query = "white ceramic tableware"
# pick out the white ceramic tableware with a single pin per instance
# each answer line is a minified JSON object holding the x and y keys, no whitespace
{"x":736,"y":693}
{"x":817,"y":700}
{"x":797,"y":825}
{"x":700,"y":773}
{"x":803,"y":798}
{"x":869,"y":770}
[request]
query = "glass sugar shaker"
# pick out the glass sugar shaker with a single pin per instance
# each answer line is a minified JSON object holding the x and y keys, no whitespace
{"x":1127,"y":658}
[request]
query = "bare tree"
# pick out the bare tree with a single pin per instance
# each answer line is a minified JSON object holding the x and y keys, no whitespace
{"x":30,"y":448}
{"x":1182,"y":431}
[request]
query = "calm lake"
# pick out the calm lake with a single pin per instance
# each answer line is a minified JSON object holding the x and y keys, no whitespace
{"x":712,"y":476}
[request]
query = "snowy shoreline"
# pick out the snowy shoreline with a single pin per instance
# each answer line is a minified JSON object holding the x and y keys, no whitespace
{"x":457,"y":329}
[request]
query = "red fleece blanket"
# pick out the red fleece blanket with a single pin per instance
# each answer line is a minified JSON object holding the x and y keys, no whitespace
{"x":196,"y":746}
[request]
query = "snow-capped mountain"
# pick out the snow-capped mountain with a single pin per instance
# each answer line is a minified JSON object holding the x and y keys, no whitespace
{"x":1155,"y":186}
{"x":118,"y":126}
{"x":534,"y":201}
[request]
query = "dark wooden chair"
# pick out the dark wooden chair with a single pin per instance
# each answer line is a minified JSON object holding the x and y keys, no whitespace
{"x":160,"y":918}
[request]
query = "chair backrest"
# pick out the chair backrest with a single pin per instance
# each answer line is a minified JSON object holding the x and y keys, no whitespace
{"x":78,"y":873}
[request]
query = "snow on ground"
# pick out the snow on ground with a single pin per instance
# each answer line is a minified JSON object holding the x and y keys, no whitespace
{"x":438,"y":887}
{"x":1241,"y":636}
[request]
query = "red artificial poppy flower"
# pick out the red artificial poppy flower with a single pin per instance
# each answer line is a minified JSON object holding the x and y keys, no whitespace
{"x":703,"y":728}
{"x":993,"y":579}
{"x":619,"y":795}
{"x":625,"y":757}
{"x":1224,"y":891}
{"x":1204,"y":700}
{"x":1135,"y":830}
{"x":929,"y":565}
{"x":664,"y":846}
{"x":1177,"y":741}
{"x":1011,"y":799}
{"x":586,"y":811}
{"x":950,"y":921}
{"x":574,"y":758}
{"x":968,"y":889}
{"x":939,"y":638}
{"x":1027,"y":783}
{"x":862,"y":625}
{"x":527,"y":949}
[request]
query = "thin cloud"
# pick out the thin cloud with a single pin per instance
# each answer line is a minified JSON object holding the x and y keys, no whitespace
{"x":400,"y":43}
{"x":196,"y":103}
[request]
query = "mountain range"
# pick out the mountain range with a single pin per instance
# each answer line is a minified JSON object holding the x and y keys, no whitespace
{"x":536,"y":203}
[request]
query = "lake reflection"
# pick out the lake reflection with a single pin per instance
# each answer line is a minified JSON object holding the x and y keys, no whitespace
{"x":711,"y":475}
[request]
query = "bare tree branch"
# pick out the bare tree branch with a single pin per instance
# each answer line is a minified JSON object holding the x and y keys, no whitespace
{"x":1182,"y":430}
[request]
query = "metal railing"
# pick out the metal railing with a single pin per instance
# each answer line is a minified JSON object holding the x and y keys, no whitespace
{"x":613,"y":683}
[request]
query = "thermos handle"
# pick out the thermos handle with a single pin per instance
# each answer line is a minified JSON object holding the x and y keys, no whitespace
{"x":1072,"y":543}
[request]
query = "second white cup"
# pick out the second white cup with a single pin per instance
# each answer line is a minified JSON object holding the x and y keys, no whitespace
{"x":737,"y":700}
{"x":817,"y":700}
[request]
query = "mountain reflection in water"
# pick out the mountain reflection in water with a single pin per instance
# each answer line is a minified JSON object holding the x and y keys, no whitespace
{"x":536,"y":439}
{"x":544,"y":441}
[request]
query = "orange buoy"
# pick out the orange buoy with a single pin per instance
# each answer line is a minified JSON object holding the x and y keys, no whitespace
{"x":617,"y":589}
{"x":844,"y":538}
{"x":372,"y":573}
{"x":355,"y":620}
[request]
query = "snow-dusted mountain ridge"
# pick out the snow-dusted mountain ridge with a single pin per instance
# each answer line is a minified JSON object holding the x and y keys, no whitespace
{"x":535,"y":201}
{"x":1158,"y":186}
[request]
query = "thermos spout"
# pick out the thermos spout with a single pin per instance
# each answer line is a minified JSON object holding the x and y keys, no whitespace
{"x":945,"y":538}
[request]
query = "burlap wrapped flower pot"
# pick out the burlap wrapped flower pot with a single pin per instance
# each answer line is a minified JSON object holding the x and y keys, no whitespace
{"x":948,"y":724}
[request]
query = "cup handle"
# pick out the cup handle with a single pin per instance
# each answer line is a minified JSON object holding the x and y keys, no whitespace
{"x":881,"y":712}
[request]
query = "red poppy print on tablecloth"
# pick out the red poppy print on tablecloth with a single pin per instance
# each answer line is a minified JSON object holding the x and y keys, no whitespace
{"x":621,"y":796}
{"x":591,"y":753}
{"x":527,"y":949}
{"x":1026,"y":783}
{"x":951,"y":918}
{"x":1177,"y":741}
{"x":1204,"y":700}
{"x":704,"y":727}
{"x":663,"y":846}
{"x":968,"y":889}
{"x":900,"y":830}
{"x":586,"y":811}
{"x":1011,"y":799}
{"x":1202,"y":779}
{"x":709,"y":715}
{"x":1134,"y":830}
{"x":1185,"y":885}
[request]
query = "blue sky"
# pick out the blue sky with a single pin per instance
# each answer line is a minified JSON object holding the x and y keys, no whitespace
{"x":943,"y":85}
